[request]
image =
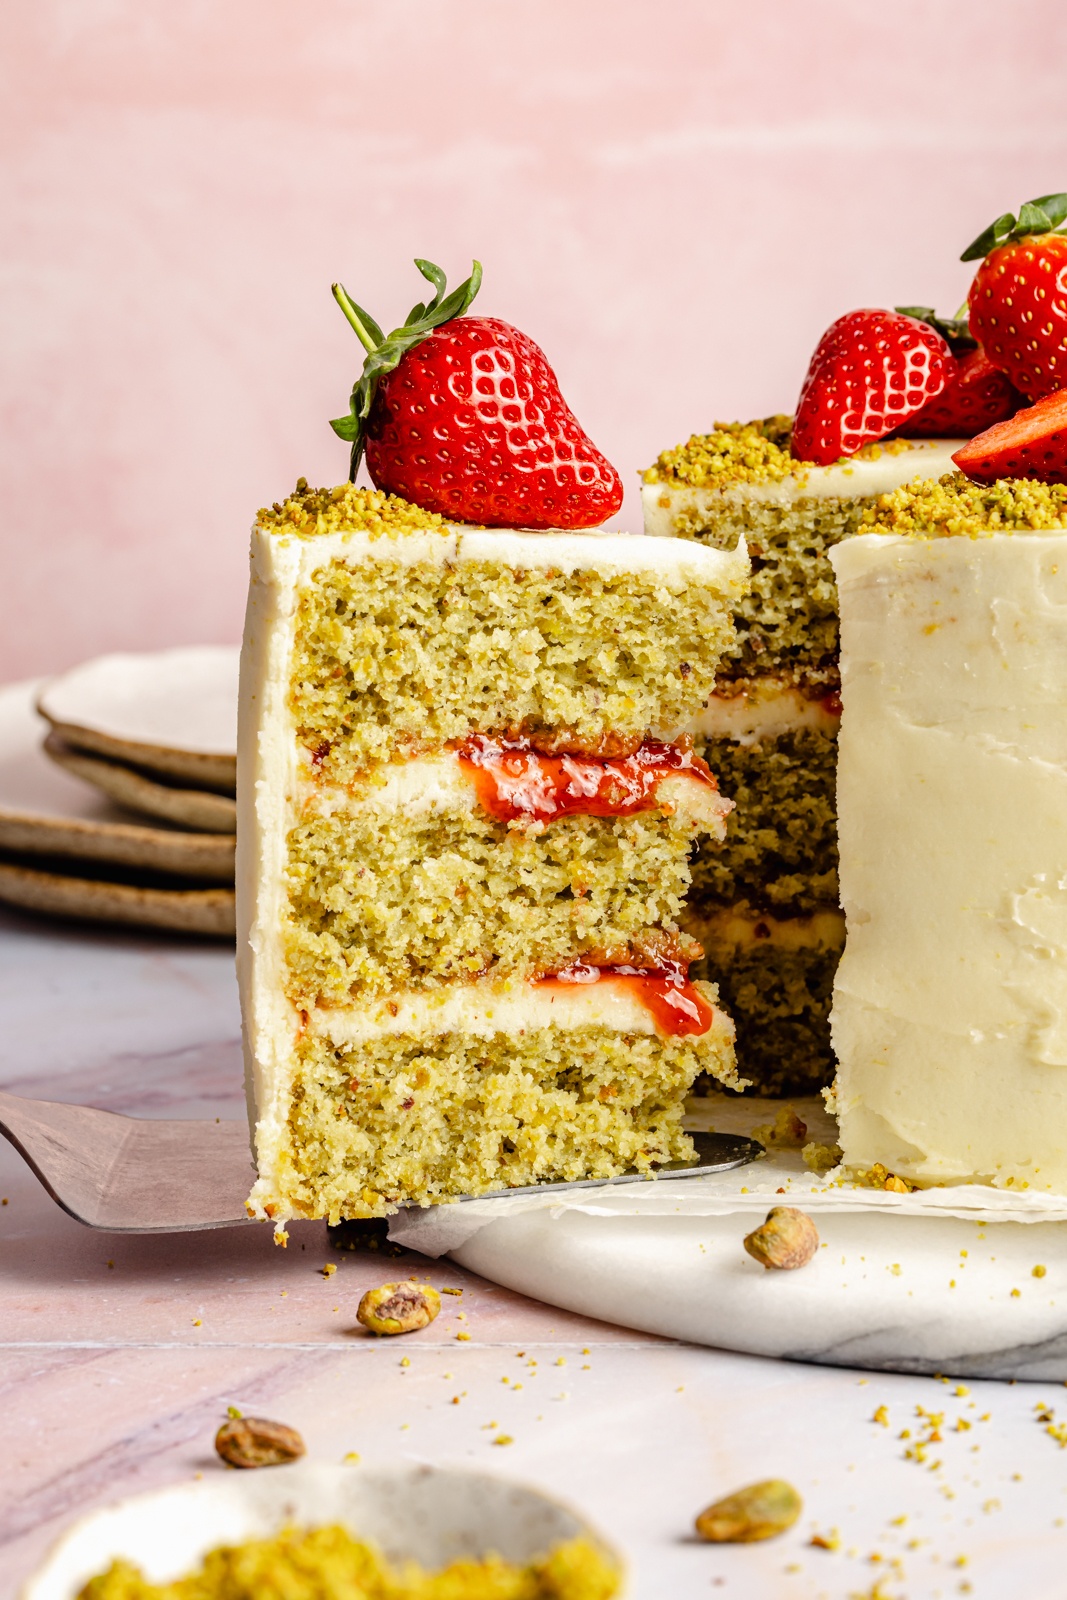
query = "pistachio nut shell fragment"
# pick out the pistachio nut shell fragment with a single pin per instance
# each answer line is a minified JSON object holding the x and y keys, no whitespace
{"x":255,"y":1442}
{"x":762,"y":1511}
{"x":787,"y":1239}
{"x":399,"y":1307}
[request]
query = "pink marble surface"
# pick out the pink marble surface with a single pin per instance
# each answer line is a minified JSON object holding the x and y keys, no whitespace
{"x":120,"y":1355}
{"x":674,"y":200}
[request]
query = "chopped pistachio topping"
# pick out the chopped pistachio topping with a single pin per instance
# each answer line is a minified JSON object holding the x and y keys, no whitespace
{"x":743,"y":452}
{"x":346,"y":509}
{"x":938,"y":508}
{"x":747,"y":452}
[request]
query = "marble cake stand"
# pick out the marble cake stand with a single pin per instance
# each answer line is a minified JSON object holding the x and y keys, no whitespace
{"x":886,"y":1292}
{"x":931,"y":1282}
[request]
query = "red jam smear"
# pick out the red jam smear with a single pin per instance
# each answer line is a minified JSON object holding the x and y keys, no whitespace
{"x":515,"y":781}
{"x":831,"y":702}
{"x":677,"y":1005}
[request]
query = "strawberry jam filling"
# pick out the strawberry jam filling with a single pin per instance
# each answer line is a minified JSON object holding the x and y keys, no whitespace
{"x":676,"y":1005}
{"x":515,"y":782}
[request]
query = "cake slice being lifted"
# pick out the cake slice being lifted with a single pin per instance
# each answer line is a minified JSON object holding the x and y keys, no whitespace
{"x":463,"y":851}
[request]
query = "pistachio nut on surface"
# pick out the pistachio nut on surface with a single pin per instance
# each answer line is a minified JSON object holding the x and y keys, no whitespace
{"x":762,"y":1511}
{"x":399,"y":1307}
{"x":786,"y":1240}
{"x":257,"y":1442}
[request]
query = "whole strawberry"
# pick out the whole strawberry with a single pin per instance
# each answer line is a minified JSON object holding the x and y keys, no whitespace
{"x":463,"y":416}
{"x":871,"y":372}
{"x":1018,"y":300}
{"x":979,"y":395}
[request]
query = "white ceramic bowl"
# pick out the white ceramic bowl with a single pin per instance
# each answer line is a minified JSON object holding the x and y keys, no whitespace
{"x":432,"y":1515}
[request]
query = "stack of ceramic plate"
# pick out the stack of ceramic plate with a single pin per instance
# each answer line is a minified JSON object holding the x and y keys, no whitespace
{"x":117,"y":791}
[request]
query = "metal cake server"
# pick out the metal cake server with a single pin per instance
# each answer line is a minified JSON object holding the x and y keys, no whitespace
{"x":132,"y":1175}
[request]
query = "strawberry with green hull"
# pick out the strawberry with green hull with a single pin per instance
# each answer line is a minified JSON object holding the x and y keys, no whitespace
{"x":1018,"y":300}
{"x":872,"y":371}
{"x":1031,"y":444}
{"x":463,"y":416}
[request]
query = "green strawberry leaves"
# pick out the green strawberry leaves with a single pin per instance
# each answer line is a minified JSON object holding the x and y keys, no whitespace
{"x":954,"y":330}
{"x":1042,"y":215}
{"x":385,"y":350}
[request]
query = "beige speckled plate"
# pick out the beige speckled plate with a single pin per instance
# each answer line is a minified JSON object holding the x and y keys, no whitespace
{"x":174,"y":711}
{"x":44,"y":811}
{"x":186,"y":808}
{"x":57,"y":894}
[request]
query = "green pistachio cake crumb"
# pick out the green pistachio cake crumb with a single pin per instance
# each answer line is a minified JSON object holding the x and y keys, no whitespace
{"x":377,"y":902}
{"x":780,"y":848}
{"x":424,"y":1119}
{"x":778,"y":995}
{"x":392,"y":659}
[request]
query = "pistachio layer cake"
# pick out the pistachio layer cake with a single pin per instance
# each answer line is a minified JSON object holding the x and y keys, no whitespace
{"x":765,"y":901}
{"x":950,"y":1009}
{"x":464,"y":852}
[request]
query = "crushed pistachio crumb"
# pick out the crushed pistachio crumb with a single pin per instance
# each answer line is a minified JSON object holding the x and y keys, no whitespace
{"x":346,"y":509}
{"x":748,"y":452}
{"x":735,"y":452}
{"x":937,"y":508}
{"x":786,"y":1132}
{"x":821,"y":1157}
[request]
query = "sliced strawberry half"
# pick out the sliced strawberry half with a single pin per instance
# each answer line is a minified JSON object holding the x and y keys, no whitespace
{"x":979,"y":395}
{"x":1031,"y":444}
{"x":871,"y":372}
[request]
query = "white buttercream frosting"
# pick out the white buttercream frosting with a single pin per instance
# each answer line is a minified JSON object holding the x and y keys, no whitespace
{"x":484,"y":1009}
{"x":950,"y":1007}
{"x":746,"y":929}
{"x":764,"y":708}
{"x":425,"y":784}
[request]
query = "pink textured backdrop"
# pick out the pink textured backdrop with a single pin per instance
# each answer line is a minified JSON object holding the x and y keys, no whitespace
{"x":674,"y":198}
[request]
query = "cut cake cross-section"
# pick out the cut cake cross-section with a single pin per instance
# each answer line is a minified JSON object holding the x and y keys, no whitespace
{"x":764,"y":902}
{"x":463,"y":856}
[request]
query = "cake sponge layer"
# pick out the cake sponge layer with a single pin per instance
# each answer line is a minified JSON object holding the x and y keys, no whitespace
{"x":385,"y":901}
{"x":428,"y":1119}
{"x":775,"y":976}
{"x":740,"y":482}
{"x":392,"y":658}
{"x":780,"y":849}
